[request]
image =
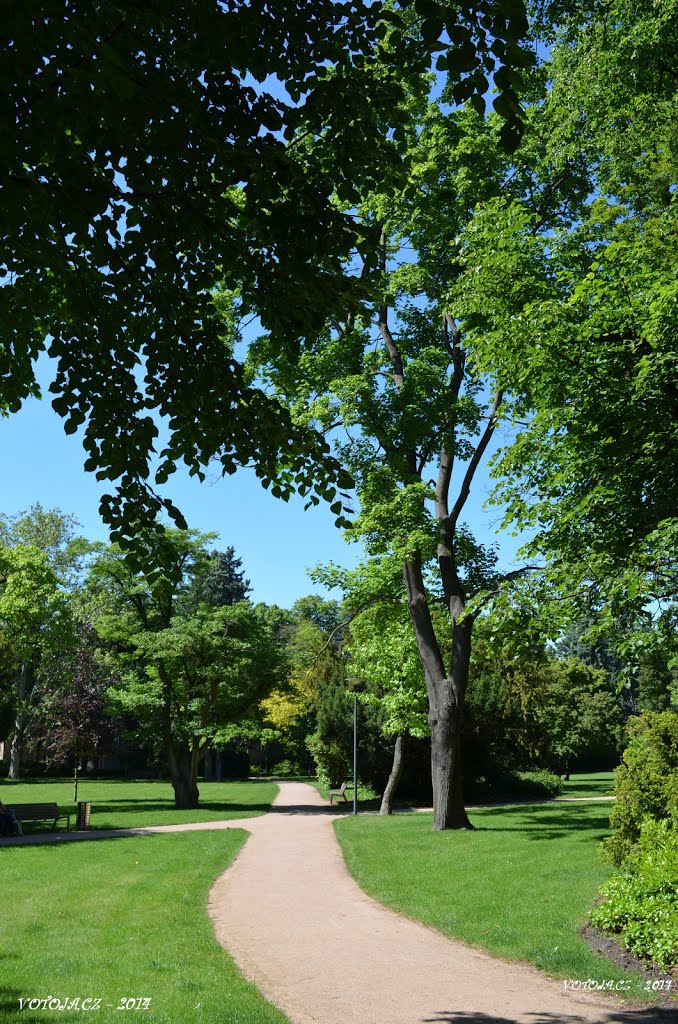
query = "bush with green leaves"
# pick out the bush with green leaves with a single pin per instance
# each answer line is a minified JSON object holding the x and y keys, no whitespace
{"x":646,"y":783}
{"x":640,"y":903}
{"x":541,"y":782}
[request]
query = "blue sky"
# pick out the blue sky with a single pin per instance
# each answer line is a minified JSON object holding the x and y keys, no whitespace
{"x":277,"y":542}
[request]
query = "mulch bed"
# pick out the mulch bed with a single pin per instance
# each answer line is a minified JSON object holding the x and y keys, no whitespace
{"x":610,"y":948}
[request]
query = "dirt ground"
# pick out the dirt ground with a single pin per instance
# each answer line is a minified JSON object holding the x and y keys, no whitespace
{"x":325,"y":953}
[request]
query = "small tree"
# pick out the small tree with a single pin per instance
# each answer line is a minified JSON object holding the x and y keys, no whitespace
{"x":73,"y":721}
{"x":383,"y":653}
{"x":646,"y":783}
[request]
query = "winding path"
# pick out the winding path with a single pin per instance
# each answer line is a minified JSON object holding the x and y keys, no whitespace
{"x":325,"y":953}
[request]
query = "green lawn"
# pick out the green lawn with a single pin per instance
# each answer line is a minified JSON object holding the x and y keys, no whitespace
{"x":592,"y":784}
{"x":121,"y":919}
{"x":125,"y":804}
{"x":519,"y":886}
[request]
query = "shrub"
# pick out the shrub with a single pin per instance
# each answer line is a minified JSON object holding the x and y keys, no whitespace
{"x":640,"y":903}
{"x":533,"y":785}
{"x":332,"y":763}
{"x":541,"y":782}
{"x":646,"y":783}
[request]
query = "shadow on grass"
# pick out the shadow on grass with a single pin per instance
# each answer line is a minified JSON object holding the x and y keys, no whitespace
{"x":12,"y":1007}
{"x":595,"y":788}
{"x":166,"y":806}
{"x":556,"y":822}
{"x":650,"y":1015}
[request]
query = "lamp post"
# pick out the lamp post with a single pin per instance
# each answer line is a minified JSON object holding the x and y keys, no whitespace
{"x":355,"y":685}
{"x":355,"y":753}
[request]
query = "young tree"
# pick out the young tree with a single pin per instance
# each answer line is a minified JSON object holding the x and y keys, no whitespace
{"x":72,"y":720}
{"x":44,"y":560}
{"x":384,"y":654}
{"x":186,"y":673}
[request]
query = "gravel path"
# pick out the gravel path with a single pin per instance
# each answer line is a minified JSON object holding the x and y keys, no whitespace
{"x":325,"y":953}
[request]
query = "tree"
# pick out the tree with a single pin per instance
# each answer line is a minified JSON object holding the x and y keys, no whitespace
{"x":72,"y":719}
{"x":405,"y":402}
{"x":35,"y":619}
{"x":44,"y":559}
{"x":384,"y":654}
{"x":591,"y":348}
{"x":185,"y":673}
{"x":314,"y":675}
{"x":189,"y":170}
{"x":218,"y":581}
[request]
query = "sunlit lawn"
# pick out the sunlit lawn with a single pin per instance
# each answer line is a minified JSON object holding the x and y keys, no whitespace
{"x":590,"y":784}
{"x":520,"y":886}
{"x":121,"y":919}
{"x":125,"y":804}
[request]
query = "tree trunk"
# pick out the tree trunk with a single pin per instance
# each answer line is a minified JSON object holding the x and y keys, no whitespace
{"x":23,"y":687}
{"x":17,"y":745}
{"x":448,"y":799}
{"x":394,"y":777}
{"x":184,"y":775}
{"x":75,"y":783}
{"x":446,"y":692}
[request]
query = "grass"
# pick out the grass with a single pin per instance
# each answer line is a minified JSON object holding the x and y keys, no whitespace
{"x":520,"y":886}
{"x":122,"y":918}
{"x":592,"y":784}
{"x":126,"y":804}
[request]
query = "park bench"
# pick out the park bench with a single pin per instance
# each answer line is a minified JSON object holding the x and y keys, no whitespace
{"x":39,"y":812}
{"x":340,"y":792}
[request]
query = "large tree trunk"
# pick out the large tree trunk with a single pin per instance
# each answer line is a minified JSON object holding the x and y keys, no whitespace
{"x":446,"y":692}
{"x":448,"y":801}
{"x":183,"y":768}
{"x":394,"y":777}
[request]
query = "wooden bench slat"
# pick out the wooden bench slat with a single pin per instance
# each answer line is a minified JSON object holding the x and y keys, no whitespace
{"x":40,"y":812}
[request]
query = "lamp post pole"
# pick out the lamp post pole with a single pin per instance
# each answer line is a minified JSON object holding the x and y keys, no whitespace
{"x":355,"y":753}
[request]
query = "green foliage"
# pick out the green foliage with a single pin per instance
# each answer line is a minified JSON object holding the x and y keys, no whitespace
{"x":333,"y":764}
{"x":578,"y":318}
{"x":188,"y":670}
{"x":646,"y":783}
{"x":640,"y":904}
{"x":34,"y":615}
{"x":384,"y":656}
{"x":191,"y":170}
{"x":524,"y":708}
{"x":542,"y":782}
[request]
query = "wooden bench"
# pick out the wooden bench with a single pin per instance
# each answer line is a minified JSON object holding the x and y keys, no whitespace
{"x":39,"y":812}
{"x":340,"y":792}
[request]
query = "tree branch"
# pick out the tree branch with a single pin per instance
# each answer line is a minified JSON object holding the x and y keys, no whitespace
{"x":475,"y":461}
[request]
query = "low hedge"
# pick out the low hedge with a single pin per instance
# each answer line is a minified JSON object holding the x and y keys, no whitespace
{"x":640,"y":902}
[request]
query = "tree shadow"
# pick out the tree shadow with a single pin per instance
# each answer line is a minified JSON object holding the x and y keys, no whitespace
{"x":556,"y":822}
{"x":594,"y":788}
{"x":167,"y":807}
{"x":648,"y":1015}
{"x":11,"y":1002}
{"x":311,"y":809}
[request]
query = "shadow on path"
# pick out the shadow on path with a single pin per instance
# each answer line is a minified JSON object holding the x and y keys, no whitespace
{"x":649,"y":1015}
